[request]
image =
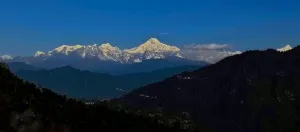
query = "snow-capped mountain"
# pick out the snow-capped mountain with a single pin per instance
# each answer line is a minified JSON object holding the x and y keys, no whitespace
{"x":149,"y":56}
{"x":152,"y":49}
{"x":285,"y":48}
{"x":102,"y":52}
{"x":39,"y":53}
{"x":5,"y":57}
{"x":153,"y":45}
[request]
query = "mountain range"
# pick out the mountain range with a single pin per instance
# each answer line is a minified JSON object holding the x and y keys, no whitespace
{"x":110,"y":59}
{"x":90,"y":85}
{"x":253,"y":91}
{"x":149,"y":56}
{"x":152,"y":49}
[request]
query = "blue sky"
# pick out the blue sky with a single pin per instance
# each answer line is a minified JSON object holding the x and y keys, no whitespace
{"x":30,"y":25}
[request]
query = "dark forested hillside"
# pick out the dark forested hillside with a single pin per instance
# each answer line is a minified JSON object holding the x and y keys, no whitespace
{"x":254,"y":91}
{"x":26,"y":108}
{"x":77,"y":83}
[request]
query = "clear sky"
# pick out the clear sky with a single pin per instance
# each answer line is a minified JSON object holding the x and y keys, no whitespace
{"x":30,"y":25}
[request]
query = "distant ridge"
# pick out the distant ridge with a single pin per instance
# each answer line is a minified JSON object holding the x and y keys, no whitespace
{"x":80,"y":83}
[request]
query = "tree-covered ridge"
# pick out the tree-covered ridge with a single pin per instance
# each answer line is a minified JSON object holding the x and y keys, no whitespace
{"x":26,"y":108}
{"x":76,"y":83}
{"x":253,"y":91}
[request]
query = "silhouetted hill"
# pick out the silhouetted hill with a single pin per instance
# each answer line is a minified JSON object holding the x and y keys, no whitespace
{"x":254,"y":91}
{"x":77,"y":83}
{"x":27,"y":108}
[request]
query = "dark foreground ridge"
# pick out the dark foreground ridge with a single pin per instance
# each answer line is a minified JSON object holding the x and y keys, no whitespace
{"x":253,"y":91}
{"x":26,"y":108}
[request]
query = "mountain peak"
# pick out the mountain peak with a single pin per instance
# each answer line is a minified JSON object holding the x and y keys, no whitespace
{"x":153,"y":41}
{"x":65,"y":49}
{"x":153,"y":49}
{"x":153,"y":45}
{"x":285,"y":48}
{"x":106,"y":45}
{"x":39,"y":53}
{"x":6,"y":57}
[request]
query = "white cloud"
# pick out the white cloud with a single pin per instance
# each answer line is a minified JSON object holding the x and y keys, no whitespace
{"x":208,"y":46}
{"x":208,"y":52}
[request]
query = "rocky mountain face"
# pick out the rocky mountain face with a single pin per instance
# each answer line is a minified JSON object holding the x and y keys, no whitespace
{"x":252,"y":91}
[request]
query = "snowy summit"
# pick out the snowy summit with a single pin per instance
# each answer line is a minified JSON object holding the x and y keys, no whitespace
{"x":39,"y":53}
{"x":5,"y":57}
{"x":153,"y":49}
{"x":153,"y":45}
{"x":285,"y":48}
